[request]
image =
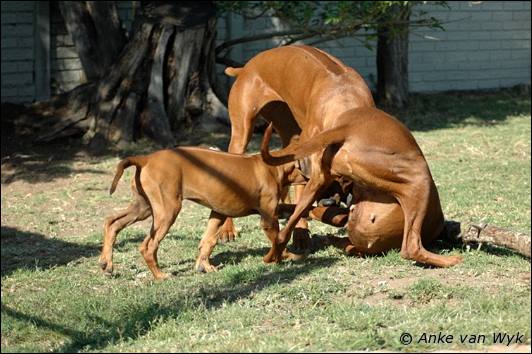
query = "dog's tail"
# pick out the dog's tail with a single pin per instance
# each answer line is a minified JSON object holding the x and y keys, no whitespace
{"x":138,"y":161}
{"x":296,"y":151}
{"x":229,"y":71}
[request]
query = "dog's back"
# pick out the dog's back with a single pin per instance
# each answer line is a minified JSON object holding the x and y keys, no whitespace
{"x":230,"y":184}
{"x":309,"y":80}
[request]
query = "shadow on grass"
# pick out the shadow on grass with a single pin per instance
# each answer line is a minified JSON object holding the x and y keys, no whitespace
{"x":236,"y":256}
{"x":140,"y":318}
{"x":92,"y":339}
{"x":444,"y":245}
{"x":138,"y":321}
{"x":28,"y":250}
{"x":23,"y":160}
{"x":450,"y":239}
{"x":462,"y":108}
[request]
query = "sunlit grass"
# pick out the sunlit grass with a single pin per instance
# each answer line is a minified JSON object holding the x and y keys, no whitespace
{"x":54,"y":297}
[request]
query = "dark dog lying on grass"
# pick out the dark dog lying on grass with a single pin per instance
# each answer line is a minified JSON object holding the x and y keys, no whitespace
{"x":229,"y":184}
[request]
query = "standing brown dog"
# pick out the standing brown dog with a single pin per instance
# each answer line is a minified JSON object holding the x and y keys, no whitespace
{"x":301,"y":90}
{"x":230,"y":185}
{"x":376,"y":152}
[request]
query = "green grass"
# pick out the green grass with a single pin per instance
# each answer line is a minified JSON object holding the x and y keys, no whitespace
{"x":483,"y":173}
{"x":54,"y":297}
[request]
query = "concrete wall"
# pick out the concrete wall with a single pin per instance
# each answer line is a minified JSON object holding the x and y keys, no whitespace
{"x":485,"y":45}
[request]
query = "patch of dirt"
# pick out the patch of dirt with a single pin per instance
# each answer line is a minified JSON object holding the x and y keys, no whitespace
{"x":388,"y":287}
{"x":60,"y":189}
{"x":55,"y":190}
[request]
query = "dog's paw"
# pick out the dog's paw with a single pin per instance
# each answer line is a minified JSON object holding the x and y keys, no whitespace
{"x":106,"y":267}
{"x":205,"y":267}
{"x":270,"y":259}
{"x":453,"y":260}
{"x":294,"y":257}
{"x":163,"y":276}
{"x":102,"y":264}
{"x":209,"y":268}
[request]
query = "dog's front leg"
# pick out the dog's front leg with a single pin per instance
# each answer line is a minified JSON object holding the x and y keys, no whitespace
{"x":301,"y":233}
{"x":270,"y":226}
{"x":208,"y":242}
{"x":309,"y":195}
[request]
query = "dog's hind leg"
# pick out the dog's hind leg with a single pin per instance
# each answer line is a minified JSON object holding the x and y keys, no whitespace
{"x":165,"y":201}
{"x":163,"y":218}
{"x":301,"y":233}
{"x":138,"y":210}
{"x":414,"y":201}
{"x":406,"y":179}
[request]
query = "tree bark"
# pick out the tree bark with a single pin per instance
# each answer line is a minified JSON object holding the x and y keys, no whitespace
{"x":126,"y":76}
{"x":158,"y":82}
{"x":110,"y":36}
{"x":97,"y":33}
{"x":392,"y":61}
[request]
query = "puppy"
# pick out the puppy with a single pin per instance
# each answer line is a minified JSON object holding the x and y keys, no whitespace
{"x":230,"y":185}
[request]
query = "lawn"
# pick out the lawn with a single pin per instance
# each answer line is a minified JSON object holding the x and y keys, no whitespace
{"x":54,"y":297}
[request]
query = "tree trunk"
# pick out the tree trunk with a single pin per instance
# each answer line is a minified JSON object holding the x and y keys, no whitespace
{"x":392,"y":61}
{"x":158,"y":82}
{"x":97,"y":33}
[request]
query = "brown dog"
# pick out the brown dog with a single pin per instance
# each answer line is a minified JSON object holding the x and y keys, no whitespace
{"x":378,"y":153}
{"x":301,"y":90}
{"x":231,"y":185}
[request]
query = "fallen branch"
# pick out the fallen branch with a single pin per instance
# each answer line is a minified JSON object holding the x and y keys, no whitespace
{"x":490,"y":235}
